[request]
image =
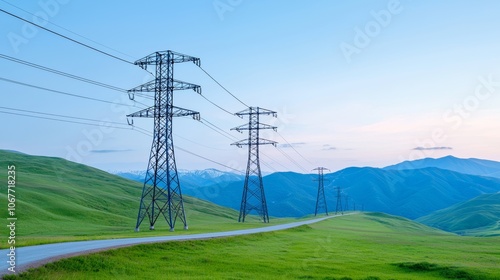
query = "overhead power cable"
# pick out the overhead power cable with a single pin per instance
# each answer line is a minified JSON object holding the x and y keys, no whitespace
{"x":61,"y":73}
{"x":71,"y":76}
{"x":213,"y":103}
{"x":292,"y":160}
{"x":64,"y":93}
{"x":217,"y":82}
{"x":218,"y":129}
{"x":291,"y":146}
{"x":66,"y":37}
{"x":61,"y":120}
{"x":74,"y":33}
{"x":62,"y":116}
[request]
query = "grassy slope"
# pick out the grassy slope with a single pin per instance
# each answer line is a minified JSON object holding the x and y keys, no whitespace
{"x":478,"y":216}
{"x":364,"y":246}
{"x":58,"y":200}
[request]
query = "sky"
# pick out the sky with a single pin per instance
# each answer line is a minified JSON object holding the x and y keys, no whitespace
{"x":354,"y":83}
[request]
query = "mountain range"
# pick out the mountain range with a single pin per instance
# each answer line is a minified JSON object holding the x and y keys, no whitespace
{"x":409,"y":189}
{"x":471,"y":166}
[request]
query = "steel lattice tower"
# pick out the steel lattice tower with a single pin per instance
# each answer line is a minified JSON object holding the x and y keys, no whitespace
{"x":321,"y":200}
{"x":338,"y":208}
{"x":253,"y":191}
{"x":161,"y":193}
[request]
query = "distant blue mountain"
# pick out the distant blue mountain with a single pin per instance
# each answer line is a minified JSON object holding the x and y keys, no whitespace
{"x":412,"y":194}
{"x":409,"y":189}
{"x":467,"y":166}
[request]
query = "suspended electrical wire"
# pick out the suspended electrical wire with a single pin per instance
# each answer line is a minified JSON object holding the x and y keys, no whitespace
{"x":74,"y":33}
{"x":66,"y":37}
{"x":67,"y":121}
{"x":61,"y":116}
{"x":292,"y":160}
{"x":218,"y":129}
{"x":225,"y":89}
{"x":66,"y":93}
{"x":71,"y":76}
{"x":291,"y":146}
{"x":213,"y":103}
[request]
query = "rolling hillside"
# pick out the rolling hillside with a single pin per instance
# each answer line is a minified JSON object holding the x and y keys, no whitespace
{"x":478,"y":216}
{"x":471,"y":166}
{"x":58,"y":200}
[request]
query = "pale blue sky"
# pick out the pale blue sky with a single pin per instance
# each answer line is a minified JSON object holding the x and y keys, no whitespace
{"x":417,"y":77}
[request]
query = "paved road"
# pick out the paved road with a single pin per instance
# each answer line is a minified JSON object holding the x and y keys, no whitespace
{"x":30,"y":255}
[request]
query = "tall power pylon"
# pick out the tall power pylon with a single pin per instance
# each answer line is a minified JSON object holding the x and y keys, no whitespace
{"x":161,"y":193}
{"x":346,"y":203}
{"x":321,"y":200}
{"x":338,"y":208}
{"x":253,"y":191}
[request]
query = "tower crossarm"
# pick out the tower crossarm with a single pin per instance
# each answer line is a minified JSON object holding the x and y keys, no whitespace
{"x":256,"y":110}
{"x":176,"y":112}
{"x":151,"y":86}
{"x":261,"y":141}
{"x":181,"y":112}
{"x":163,"y":57}
{"x":258,"y":126}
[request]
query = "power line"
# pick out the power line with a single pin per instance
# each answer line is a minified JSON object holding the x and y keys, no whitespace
{"x":71,"y":76}
{"x":60,"y":116}
{"x":66,"y":37}
{"x":213,"y":161}
{"x":271,"y":159}
{"x":292,"y":160}
{"x":223,"y":87}
{"x":63,"y":93}
{"x":61,"y":73}
{"x":59,"y":120}
{"x":213,"y":103}
{"x":291,"y":146}
{"x":145,"y":132}
{"x":74,"y":33}
{"x":218,"y":129}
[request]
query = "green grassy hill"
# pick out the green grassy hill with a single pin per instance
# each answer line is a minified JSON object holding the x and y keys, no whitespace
{"x":58,"y":200}
{"x":478,"y":216}
{"x":363,"y":246}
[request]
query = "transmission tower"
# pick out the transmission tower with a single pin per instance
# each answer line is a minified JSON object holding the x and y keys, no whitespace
{"x":346,"y":203}
{"x":321,"y":200}
{"x":253,"y":191}
{"x":338,"y":207}
{"x":161,"y":193}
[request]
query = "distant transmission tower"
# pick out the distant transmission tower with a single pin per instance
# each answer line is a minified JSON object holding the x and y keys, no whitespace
{"x":346,"y":203}
{"x":321,"y":200}
{"x":161,"y":194}
{"x":253,"y":191}
{"x":338,"y":207}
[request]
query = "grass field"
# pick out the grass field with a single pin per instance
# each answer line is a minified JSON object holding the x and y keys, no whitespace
{"x":364,"y":246}
{"x":58,"y":200}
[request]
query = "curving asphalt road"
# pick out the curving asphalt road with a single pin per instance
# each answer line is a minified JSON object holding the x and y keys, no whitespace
{"x":36,"y":255}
